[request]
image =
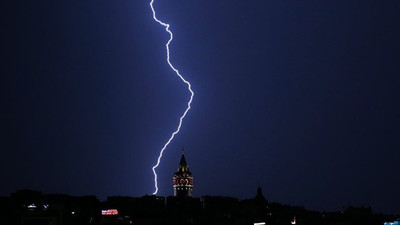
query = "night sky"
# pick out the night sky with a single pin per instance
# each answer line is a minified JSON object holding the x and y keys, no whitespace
{"x":298,"y":97}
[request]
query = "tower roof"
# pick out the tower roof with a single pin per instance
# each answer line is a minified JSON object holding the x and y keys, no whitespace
{"x":183,"y":166}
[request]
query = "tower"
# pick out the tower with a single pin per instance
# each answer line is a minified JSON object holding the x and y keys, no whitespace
{"x":183,"y":179}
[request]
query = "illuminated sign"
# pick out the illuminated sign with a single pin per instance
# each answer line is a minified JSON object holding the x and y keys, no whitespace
{"x":109,"y":212}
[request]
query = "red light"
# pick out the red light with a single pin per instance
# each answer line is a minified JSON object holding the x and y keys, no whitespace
{"x":109,"y":212}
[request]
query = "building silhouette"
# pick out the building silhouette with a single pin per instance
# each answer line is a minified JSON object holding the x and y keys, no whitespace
{"x":183,"y":179}
{"x":28,"y":207}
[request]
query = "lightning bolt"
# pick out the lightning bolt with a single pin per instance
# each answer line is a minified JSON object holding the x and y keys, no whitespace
{"x":189,"y":86}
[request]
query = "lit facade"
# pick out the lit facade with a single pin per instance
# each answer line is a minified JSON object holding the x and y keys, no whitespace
{"x":183,"y":179}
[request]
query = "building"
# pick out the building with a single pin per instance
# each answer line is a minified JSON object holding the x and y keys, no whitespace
{"x":183,"y":179}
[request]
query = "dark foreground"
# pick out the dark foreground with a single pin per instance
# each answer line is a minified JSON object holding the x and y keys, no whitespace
{"x":33,"y":208}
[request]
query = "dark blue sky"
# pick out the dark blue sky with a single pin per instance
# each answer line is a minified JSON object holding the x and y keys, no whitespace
{"x":299,"y":97}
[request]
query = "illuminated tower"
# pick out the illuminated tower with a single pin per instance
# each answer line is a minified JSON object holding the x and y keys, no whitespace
{"x":183,"y":179}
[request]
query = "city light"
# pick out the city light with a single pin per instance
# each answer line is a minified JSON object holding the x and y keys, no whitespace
{"x":109,"y":212}
{"x":397,"y":222}
{"x":293,"y":221}
{"x":32,"y":206}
